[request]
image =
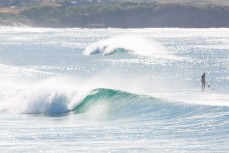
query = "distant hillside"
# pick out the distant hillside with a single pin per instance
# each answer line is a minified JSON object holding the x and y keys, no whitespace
{"x":27,"y":3}
{"x":14,"y":20}
{"x":87,"y":14}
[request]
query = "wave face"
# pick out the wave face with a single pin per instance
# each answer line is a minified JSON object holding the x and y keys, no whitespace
{"x":101,"y":103}
{"x":129,"y":44}
{"x":113,"y":103}
{"x":98,"y":103}
{"x":109,"y":103}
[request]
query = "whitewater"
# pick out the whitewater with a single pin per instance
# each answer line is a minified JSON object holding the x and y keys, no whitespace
{"x":114,"y":90}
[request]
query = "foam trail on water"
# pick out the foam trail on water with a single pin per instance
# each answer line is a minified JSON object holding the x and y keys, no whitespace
{"x":131,"y":44}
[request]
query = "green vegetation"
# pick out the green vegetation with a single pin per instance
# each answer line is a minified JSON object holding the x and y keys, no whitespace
{"x":71,"y":16}
{"x":116,"y":14}
{"x":13,"y":20}
{"x":18,"y":3}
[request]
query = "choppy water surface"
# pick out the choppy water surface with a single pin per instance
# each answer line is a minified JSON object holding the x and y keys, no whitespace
{"x":114,"y":90}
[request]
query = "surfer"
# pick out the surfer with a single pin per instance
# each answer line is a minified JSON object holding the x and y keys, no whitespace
{"x":203,"y":81}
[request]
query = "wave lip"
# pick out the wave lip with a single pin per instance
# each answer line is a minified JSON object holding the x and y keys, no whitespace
{"x":131,"y":44}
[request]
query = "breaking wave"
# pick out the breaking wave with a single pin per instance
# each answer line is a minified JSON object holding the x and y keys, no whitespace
{"x":101,"y":103}
{"x":127,"y":44}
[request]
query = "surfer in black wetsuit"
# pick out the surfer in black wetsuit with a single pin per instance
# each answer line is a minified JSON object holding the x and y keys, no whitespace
{"x":203,"y":81}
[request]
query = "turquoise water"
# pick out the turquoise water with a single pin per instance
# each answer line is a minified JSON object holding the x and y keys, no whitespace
{"x":114,"y":90}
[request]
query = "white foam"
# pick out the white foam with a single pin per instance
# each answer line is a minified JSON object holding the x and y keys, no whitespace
{"x":51,"y":96}
{"x":134,"y":44}
{"x":196,"y":97}
{"x":60,"y":95}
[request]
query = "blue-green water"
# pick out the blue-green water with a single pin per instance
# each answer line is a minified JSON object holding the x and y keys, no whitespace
{"x":114,"y":90}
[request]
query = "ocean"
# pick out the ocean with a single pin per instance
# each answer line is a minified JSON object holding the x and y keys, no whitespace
{"x":114,"y":90}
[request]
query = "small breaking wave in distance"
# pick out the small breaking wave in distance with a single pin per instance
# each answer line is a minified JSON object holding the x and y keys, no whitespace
{"x":131,"y":44}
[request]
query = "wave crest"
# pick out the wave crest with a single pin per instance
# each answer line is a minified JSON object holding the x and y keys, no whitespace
{"x":49,"y":104}
{"x":130,"y":44}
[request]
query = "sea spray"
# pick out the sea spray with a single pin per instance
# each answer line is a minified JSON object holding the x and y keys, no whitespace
{"x":128,"y":43}
{"x":62,"y":95}
{"x":171,"y":118}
